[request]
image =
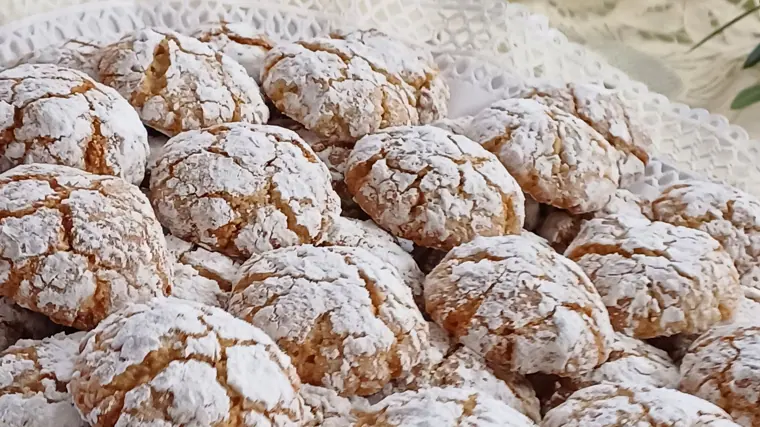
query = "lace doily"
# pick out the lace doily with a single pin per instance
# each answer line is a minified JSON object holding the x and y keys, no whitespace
{"x":483,"y":46}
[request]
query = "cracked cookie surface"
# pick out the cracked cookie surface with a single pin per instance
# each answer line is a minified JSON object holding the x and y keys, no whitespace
{"x":432,"y":187}
{"x":349,"y":85}
{"x":657,"y":279}
{"x":242,"y":189}
{"x":50,"y":114}
{"x":344,"y":316}
{"x":76,"y":246}
{"x":521,"y":306}
{"x":18,"y":323}
{"x":176,"y":363}
{"x":240,"y":41}
{"x":178,"y":83}
{"x":82,"y":55}
{"x":555,"y":157}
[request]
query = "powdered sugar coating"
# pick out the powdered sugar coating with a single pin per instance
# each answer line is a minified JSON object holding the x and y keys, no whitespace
{"x":723,"y":366}
{"x":33,"y":380}
{"x":729,"y":215}
{"x":240,"y":41}
{"x":77,"y":54}
{"x":343,"y":315}
{"x":75,"y":246}
{"x":176,"y":363}
{"x":555,"y":157}
{"x":520,"y":305}
{"x":241,"y":189}
{"x":433,"y":187}
{"x":657,"y":279}
{"x":346,"y":86}
{"x":329,"y":409}
{"x":50,"y":114}
{"x":178,"y":83}
{"x":19,"y":323}
{"x":618,"y":405}
{"x":454,"y":125}
{"x":625,"y":203}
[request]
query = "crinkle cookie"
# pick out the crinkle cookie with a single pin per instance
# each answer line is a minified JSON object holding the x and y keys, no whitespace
{"x":520,"y":305}
{"x":657,"y":279}
{"x":329,"y":409}
{"x":457,"y":126}
{"x":177,"y":83}
{"x":75,"y":246}
{"x":432,"y":187}
{"x":560,"y":228}
{"x":346,"y":86}
{"x":442,"y":407}
{"x":344,"y":316}
{"x":241,"y":189}
{"x":177,"y":363}
{"x":729,"y":215}
{"x":723,"y":366}
{"x":200,"y":275}
{"x":555,"y":157}
{"x":619,"y":405}
{"x":19,"y":323}
{"x":240,"y":41}
{"x":50,"y":114}
{"x":625,"y":203}
{"x":81,"y":55}
{"x":33,"y":380}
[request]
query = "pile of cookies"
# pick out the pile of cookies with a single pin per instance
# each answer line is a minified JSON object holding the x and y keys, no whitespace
{"x":220,"y":229}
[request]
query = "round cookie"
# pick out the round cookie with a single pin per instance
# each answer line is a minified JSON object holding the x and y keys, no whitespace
{"x":177,"y":83}
{"x":521,"y":306}
{"x":241,"y":189}
{"x":75,"y":246}
{"x":432,"y":187}
{"x":328,"y":409}
{"x":625,"y":203}
{"x":442,"y":407}
{"x":616,"y":405}
{"x":349,"y":85}
{"x":19,"y":323}
{"x":657,"y":279}
{"x":77,"y":54}
{"x":50,"y":114}
{"x":344,"y":316}
{"x":723,"y":366}
{"x":33,"y":379}
{"x":729,"y":215}
{"x":555,"y":157}
{"x":457,"y":126}
{"x":176,"y":363}
{"x":240,"y":41}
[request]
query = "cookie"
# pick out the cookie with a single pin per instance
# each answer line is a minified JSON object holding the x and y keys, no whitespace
{"x":50,"y":114}
{"x":75,"y":246}
{"x":328,"y":408}
{"x":240,"y":41}
{"x":521,"y":306}
{"x":33,"y":379}
{"x":19,"y":323}
{"x":345,"y":86}
{"x":77,"y":54}
{"x":201,"y":275}
{"x":432,"y":187}
{"x":344,"y":316}
{"x":657,"y":279}
{"x":555,"y":157}
{"x":176,"y":363}
{"x":625,"y":203}
{"x":723,"y":366}
{"x":177,"y":83}
{"x":729,"y":215}
{"x":615,"y":405}
{"x":454,"y":125}
{"x":241,"y":189}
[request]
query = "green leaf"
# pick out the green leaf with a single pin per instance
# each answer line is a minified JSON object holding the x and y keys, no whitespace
{"x":753,"y":58}
{"x":746,"y":97}
{"x":724,"y":26}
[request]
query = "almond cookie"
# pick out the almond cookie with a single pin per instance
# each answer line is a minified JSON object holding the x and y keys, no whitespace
{"x":555,"y":157}
{"x":200,"y":275}
{"x":346,"y":86}
{"x":177,"y":83}
{"x":343,"y":315}
{"x":19,"y":323}
{"x":240,"y":41}
{"x":657,"y":279}
{"x":50,"y":114}
{"x":177,"y":363}
{"x":75,"y":246}
{"x":241,"y":189}
{"x":432,"y":187}
{"x":33,"y":380}
{"x":520,"y":305}
{"x":442,"y":407}
{"x":723,"y":366}
{"x":729,"y":215}
{"x":617,"y":405}
{"x":81,"y":55}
